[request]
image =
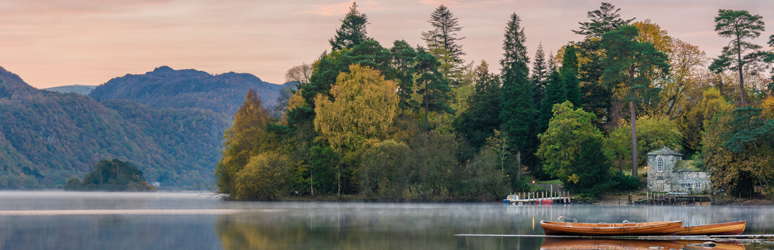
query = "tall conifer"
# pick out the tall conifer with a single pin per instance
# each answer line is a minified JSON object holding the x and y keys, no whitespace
{"x":516,"y":93}
{"x":570,"y":74}
{"x":352,"y":31}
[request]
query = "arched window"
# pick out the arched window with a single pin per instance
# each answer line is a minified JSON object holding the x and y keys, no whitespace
{"x":660,"y":163}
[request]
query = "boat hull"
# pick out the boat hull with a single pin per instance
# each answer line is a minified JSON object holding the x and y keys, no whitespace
{"x":728,"y":228}
{"x":611,"y":229}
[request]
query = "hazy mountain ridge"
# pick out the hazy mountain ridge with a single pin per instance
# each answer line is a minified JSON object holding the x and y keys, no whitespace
{"x":47,"y":137}
{"x":79,"y":89}
{"x":165,"y":87}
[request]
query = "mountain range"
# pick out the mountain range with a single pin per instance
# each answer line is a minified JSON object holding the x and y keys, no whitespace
{"x":169,"y":123}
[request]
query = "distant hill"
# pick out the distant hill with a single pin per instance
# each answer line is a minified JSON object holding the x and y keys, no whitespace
{"x":48,"y":137}
{"x":80,"y":89}
{"x":165,"y":87}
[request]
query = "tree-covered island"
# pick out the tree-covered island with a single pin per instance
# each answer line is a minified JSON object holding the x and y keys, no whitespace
{"x":112,"y":175}
{"x":399,"y":122}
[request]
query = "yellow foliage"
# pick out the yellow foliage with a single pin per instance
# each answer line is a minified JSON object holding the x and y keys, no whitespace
{"x":296,"y":100}
{"x":652,"y":33}
{"x":768,"y":108}
{"x":363,"y":107}
{"x":263,"y":177}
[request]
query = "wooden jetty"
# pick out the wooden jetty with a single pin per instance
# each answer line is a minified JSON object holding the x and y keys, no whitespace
{"x":539,"y":198}
{"x":675,"y":199}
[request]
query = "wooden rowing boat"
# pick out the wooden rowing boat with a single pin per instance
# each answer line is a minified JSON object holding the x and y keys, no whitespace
{"x":563,"y":243}
{"x":728,"y":228}
{"x":611,"y":229}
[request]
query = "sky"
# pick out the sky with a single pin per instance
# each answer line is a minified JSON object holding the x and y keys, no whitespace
{"x":65,"y":42}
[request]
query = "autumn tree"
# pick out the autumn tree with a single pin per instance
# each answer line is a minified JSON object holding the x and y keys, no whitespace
{"x":518,"y":109}
{"x":245,"y":138}
{"x":652,"y":134}
{"x":362,"y":108}
{"x":263,"y":177}
{"x":739,"y":55}
{"x":632,"y":64}
{"x":352,"y":31}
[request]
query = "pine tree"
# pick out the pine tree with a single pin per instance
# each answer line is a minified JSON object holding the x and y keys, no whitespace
{"x":555,"y":94}
{"x":352,"y":31}
{"x":605,"y":19}
{"x":434,"y":88}
{"x":516,"y":92}
{"x":444,"y":33}
{"x":540,"y":73}
{"x":570,"y":74}
{"x":596,"y":97}
{"x":403,"y":58}
{"x":739,"y":25}
{"x":632,"y":63}
{"x":482,"y":116}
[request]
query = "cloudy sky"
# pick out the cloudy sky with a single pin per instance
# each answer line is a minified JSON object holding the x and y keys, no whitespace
{"x":64,"y":42}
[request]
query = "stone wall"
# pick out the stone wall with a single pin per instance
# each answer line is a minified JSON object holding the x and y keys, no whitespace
{"x":676,"y":181}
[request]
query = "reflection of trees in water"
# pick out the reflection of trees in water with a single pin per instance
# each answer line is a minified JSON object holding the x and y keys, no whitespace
{"x":365,"y":230}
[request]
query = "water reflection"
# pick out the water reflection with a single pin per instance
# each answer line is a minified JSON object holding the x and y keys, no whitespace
{"x":557,"y":244}
{"x":65,"y":220}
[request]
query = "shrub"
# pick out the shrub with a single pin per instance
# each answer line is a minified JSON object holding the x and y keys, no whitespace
{"x":73,"y":184}
{"x":263,"y":177}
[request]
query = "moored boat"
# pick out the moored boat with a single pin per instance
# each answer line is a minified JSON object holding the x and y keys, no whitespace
{"x":728,"y":228}
{"x":611,"y":229}
{"x":563,"y":243}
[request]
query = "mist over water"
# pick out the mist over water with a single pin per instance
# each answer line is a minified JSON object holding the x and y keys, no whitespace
{"x":103,"y":220}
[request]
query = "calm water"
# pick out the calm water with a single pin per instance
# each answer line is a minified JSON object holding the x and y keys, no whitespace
{"x":75,"y":220}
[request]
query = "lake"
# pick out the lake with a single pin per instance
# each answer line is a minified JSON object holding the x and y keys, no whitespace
{"x":104,"y":220}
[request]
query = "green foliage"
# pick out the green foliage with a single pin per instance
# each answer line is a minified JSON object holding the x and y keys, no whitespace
{"x":602,"y":21}
{"x":352,"y":31}
{"x":482,"y":116}
{"x":403,"y":60}
{"x":632,"y":64}
{"x":434,"y":88}
{"x":518,"y":110}
{"x":625,"y":182}
{"x":569,"y":72}
{"x":384,"y":168}
{"x":739,"y":25}
{"x":73,"y":184}
{"x":652,"y":134}
{"x":263,"y":178}
{"x":442,"y":42}
{"x":555,"y":94}
{"x":563,"y":141}
{"x":113,"y":175}
{"x":591,"y":172}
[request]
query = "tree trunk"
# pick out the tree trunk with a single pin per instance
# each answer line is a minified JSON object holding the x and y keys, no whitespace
{"x":634,"y":139}
{"x":426,"y":107}
{"x":740,"y":65}
{"x":518,"y":165}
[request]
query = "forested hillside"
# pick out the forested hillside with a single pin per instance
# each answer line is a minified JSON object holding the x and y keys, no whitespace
{"x":389,"y":121}
{"x":49,"y":137}
{"x":165,"y":87}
